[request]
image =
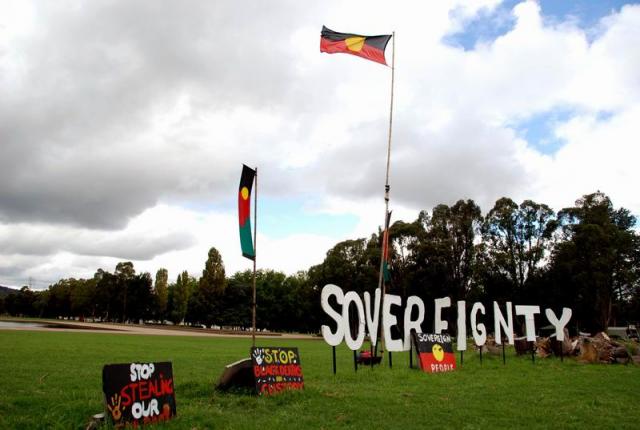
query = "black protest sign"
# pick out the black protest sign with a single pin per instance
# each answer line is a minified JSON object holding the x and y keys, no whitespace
{"x":435,"y":352}
{"x":139,"y":393}
{"x":276,"y":369}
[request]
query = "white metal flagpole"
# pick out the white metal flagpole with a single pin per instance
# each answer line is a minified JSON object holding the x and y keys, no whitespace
{"x":387,"y":188}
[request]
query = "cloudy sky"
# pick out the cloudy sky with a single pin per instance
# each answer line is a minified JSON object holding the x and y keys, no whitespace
{"x":124,"y":125}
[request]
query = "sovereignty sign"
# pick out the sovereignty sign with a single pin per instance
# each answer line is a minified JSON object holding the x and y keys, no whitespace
{"x":139,"y":393}
{"x":276,"y":369}
{"x":435,"y":352}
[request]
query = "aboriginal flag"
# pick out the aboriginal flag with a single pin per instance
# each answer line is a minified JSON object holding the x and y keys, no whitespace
{"x":369,"y":47}
{"x":244,"y":212}
{"x":435,"y":352}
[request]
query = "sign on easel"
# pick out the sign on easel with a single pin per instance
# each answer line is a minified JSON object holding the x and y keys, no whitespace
{"x":435,"y":352}
{"x":139,"y":393}
{"x":276,"y":369}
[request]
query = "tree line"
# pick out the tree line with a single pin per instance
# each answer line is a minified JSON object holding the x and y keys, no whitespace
{"x":586,"y":257}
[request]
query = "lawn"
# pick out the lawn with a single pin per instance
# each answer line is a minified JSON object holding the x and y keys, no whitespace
{"x":53,"y":380}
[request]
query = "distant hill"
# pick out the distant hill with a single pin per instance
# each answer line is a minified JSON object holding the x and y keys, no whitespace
{"x":5,"y":291}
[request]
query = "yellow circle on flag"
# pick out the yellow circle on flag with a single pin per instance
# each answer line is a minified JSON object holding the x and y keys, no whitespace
{"x":438,"y":352}
{"x":244,"y":193}
{"x":354,"y":43}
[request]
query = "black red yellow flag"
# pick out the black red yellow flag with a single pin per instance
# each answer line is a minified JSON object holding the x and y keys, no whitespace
{"x":244,"y":212}
{"x":435,"y":352}
{"x":369,"y":47}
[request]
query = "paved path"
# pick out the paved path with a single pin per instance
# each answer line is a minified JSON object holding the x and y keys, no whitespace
{"x":83,"y":327}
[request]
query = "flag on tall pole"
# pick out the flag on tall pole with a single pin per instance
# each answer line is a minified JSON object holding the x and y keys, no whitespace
{"x":244,"y":212}
{"x":369,"y":47}
{"x":248,"y":243}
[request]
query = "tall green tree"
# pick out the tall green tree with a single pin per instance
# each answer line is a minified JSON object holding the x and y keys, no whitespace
{"x":161,"y":293}
{"x":109,"y":296}
{"x":445,"y":253}
{"x":236,"y":301}
{"x":139,"y":297}
{"x":124,"y":274}
{"x":350,"y":264}
{"x":403,"y":238}
{"x":205,"y":304}
{"x":517,"y":239}
{"x":595,"y":266}
{"x":179,"y":293}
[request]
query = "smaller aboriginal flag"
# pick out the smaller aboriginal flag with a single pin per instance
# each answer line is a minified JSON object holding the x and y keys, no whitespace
{"x":244,"y":212}
{"x":435,"y":352}
{"x":386,"y":273}
{"x":369,"y":47}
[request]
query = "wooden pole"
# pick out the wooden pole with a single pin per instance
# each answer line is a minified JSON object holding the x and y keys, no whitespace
{"x":355,"y":361}
{"x":255,"y":257}
{"x":387,"y":188}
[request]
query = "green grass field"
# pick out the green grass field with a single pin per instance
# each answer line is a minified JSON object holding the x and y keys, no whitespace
{"x":53,"y":380}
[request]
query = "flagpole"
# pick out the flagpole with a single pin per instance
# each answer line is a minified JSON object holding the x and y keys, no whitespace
{"x":255,"y":257}
{"x":381,"y":284}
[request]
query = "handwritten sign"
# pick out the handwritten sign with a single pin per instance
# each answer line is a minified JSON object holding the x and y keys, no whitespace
{"x":435,"y":352}
{"x":139,"y":393}
{"x":276,"y":369}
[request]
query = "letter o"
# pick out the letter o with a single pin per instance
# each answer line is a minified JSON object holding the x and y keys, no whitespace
{"x":353,"y":344}
{"x":136,"y":410}
{"x":144,"y":372}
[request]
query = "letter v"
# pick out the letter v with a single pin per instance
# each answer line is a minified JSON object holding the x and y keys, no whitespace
{"x":372,"y":323}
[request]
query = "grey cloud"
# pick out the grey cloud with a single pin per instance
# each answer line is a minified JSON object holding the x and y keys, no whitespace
{"x":137,"y":248}
{"x":91,"y":78}
{"x":467,"y":159}
{"x":27,"y":240}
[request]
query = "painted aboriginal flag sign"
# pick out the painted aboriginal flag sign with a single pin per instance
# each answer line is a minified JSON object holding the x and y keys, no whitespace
{"x":139,"y":393}
{"x":276,"y":369}
{"x":435,"y":352}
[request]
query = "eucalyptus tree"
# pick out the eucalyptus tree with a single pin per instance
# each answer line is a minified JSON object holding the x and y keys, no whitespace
{"x":596,"y":265}
{"x":517,"y":241}
{"x":444,"y":254}
{"x":161,"y":293}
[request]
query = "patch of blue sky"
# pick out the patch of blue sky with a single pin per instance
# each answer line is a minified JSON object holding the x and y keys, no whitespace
{"x":604,"y":116}
{"x":539,"y":130}
{"x":279,"y":218}
{"x":587,"y":13}
{"x":487,"y":26}
{"x":484,"y":27}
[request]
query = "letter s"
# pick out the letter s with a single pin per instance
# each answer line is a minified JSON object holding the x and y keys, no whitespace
{"x":333,"y":339}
